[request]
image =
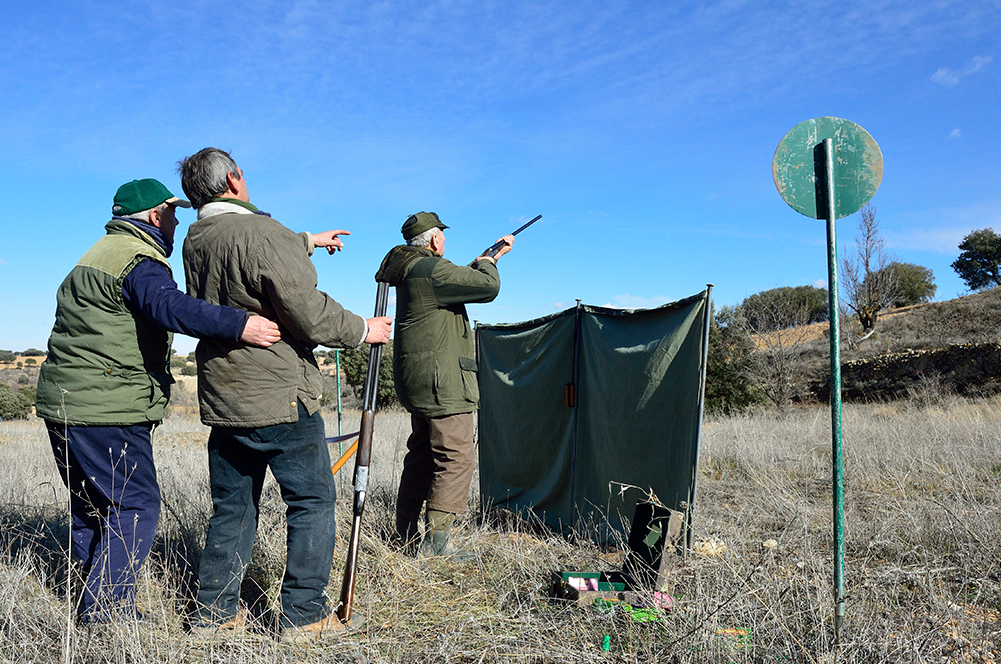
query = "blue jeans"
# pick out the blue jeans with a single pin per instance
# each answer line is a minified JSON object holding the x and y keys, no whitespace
{"x":297,"y":455}
{"x":114,"y":506}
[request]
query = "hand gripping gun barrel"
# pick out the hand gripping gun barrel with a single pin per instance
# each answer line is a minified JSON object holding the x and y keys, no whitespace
{"x":494,"y":248}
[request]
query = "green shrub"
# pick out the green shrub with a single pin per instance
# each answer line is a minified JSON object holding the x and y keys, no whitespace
{"x":354,"y":363}
{"x":13,"y":406}
{"x":28,"y":393}
{"x":730,"y":387}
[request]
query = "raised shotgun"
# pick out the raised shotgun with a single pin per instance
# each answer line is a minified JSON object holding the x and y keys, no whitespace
{"x":495,"y":247}
{"x":368,"y":398}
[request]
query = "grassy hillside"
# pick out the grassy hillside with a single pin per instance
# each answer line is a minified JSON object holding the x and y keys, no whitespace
{"x":803,"y":353}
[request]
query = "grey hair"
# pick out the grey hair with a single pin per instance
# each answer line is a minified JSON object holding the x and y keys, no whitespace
{"x":143,"y":215}
{"x":203,"y":175}
{"x":424,"y":239}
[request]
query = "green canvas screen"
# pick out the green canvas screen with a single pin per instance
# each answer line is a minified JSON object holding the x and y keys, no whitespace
{"x":637,"y":382}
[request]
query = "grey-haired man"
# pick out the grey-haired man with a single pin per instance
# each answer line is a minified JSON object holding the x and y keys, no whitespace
{"x":263,"y":407}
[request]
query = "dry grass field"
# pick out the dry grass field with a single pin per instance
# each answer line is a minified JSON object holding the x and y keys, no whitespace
{"x":923,"y":565}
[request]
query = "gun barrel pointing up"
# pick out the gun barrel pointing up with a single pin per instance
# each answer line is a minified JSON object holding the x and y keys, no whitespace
{"x":492,"y":251}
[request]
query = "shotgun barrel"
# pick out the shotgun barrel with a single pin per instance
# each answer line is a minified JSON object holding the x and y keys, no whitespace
{"x":495,"y":247}
{"x":369,"y":392}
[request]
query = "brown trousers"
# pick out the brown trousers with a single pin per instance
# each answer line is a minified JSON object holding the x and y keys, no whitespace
{"x":440,"y":462}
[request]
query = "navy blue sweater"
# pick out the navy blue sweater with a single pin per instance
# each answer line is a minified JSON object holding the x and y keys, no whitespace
{"x":149,"y":289}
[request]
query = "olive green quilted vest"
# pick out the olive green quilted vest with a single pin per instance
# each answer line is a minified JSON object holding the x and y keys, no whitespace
{"x":106,"y":365}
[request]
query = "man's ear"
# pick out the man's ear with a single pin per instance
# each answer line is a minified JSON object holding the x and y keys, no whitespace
{"x":231,"y":183}
{"x":156,"y":217}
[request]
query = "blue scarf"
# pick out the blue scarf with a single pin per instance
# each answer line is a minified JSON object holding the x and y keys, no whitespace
{"x":161,"y":240}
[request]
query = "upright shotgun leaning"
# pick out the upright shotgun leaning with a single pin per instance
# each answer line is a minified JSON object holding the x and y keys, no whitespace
{"x":369,"y":392}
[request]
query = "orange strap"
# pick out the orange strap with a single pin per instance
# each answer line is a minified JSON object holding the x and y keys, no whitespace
{"x":344,"y":457}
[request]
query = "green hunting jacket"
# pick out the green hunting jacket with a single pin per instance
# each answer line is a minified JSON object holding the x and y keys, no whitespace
{"x":434,"y":365}
{"x":106,"y":365}
{"x":250,"y":261}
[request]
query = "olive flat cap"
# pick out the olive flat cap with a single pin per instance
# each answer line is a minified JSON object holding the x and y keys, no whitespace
{"x":420,"y":222}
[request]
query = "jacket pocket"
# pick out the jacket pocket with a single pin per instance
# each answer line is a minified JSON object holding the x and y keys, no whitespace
{"x":470,"y":388}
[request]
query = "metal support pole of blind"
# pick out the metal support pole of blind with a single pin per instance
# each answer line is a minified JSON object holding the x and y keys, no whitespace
{"x":706,"y":322}
{"x":574,"y":410}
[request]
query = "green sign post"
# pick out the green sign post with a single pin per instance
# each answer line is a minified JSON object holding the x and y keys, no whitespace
{"x":828,"y":168}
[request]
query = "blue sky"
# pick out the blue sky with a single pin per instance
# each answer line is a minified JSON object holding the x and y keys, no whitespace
{"x":643,"y":133}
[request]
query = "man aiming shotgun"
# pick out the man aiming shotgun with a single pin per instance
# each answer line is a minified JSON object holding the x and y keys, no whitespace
{"x":435,"y":375}
{"x":491,"y":252}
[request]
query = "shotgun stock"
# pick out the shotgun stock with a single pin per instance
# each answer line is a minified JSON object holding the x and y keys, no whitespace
{"x":495,"y":247}
{"x":369,"y":392}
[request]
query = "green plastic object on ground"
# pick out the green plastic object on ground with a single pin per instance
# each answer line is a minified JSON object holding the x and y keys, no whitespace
{"x":610,"y":607}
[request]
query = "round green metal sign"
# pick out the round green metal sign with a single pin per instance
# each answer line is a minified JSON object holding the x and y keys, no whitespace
{"x":798,"y":166}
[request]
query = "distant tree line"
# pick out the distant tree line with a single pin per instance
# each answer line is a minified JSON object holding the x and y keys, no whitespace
{"x":9,"y":356}
{"x":750,"y":343}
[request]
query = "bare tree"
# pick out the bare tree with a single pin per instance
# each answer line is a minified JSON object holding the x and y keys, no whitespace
{"x":778,"y":326}
{"x":868,"y":285}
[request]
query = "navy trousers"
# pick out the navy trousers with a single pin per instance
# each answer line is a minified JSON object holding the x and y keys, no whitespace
{"x":239,"y":459}
{"x":114,"y":506}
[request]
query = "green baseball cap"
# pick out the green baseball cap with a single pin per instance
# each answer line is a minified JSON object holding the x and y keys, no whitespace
{"x":140,"y":195}
{"x":419,"y":223}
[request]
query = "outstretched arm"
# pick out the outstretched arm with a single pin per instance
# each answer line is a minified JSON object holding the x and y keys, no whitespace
{"x":150,"y":289}
{"x":329,"y":240}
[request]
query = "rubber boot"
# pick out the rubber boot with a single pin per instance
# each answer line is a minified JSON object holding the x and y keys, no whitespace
{"x":408,"y":515}
{"x":437,"y":535}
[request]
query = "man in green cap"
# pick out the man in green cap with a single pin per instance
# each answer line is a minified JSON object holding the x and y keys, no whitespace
{"x":435,"y":375}
{"x":106,"y":382}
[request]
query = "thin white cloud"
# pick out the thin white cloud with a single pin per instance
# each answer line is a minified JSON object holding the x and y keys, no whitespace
{"x":636,"y":302}
{"x":956,"y":133}
{"x":3,"y":261}
{"x":950,"y":78}
{"x":942,"y":230}
{"x":941,"y":240}
{"x":946,"y":77}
